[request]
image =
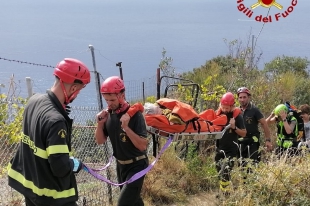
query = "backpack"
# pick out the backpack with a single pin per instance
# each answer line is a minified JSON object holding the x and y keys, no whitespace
{"x":293,"y":111}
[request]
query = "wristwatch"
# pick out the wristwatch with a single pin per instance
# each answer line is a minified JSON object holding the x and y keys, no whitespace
{"x":284,"y":120}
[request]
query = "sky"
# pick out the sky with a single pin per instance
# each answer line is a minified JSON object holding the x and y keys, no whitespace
{"x":135,"y":33}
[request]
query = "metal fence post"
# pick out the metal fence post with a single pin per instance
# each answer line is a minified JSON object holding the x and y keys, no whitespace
{"x":143,"y":92}
{"x":158,"y":83}
{"x":97,"y":79}
{"x":29,"y":87}
{"x":119,"y":65}
{"x":99,"y":98}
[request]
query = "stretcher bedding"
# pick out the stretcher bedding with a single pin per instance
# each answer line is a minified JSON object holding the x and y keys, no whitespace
{"x":179,"y":117}
{"x":170,"y":117}
{"x":202,"y":136}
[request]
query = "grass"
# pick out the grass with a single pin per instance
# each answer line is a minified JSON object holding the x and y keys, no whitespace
{"x":274,"y":182}
{"x":192,"y":180}
{"x":173,"y":179}
{"x":281,"y":181}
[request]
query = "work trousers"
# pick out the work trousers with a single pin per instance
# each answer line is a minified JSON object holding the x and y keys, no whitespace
{"x":131,"y":193}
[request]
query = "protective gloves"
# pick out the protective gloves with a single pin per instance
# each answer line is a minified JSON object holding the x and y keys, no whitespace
{"x":77,"y":165}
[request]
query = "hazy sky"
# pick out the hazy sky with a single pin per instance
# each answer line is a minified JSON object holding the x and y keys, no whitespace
{"x":135,"y":32}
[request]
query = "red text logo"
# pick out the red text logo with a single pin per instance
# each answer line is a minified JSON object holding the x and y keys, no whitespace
{"x":249,"y":10}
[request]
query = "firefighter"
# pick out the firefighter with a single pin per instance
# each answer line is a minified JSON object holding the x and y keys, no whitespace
{"x":227,"y":146}
{"x":249,"y":145}
{"x":42,"y":169}
{"x":128,"y":137}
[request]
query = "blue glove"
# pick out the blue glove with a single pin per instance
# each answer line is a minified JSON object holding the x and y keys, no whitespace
{"x":85,"y":169}
{"x":77,"y":165}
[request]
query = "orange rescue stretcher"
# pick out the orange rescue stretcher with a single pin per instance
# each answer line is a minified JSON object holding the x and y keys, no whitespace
{"x":184,"y":136}
{"x":180,"y":121}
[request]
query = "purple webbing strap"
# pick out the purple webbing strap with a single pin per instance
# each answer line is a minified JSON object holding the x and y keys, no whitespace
{"x":103,"y":168}
{"x":135,"y":176}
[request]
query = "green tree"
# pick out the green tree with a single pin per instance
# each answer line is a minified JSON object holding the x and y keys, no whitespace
{"x":11,"y":116}
{"x":302,"y":95}
{"x":165,"y":66}
{"x":151,"y":99}
{"x":284,"y":64}
{"x":238,"y":68}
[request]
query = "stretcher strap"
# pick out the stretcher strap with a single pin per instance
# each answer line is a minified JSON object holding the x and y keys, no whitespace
{"x":103,"y":168}
{"x":135,"y":176}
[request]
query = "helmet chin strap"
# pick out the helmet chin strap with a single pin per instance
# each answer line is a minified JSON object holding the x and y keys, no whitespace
{"x":68,"y":100}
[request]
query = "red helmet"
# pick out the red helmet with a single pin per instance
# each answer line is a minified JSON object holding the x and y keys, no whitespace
{"x":228,"y":99}
{"x":243,"y":90}
{"x":72,"y":71}
{"x":112,"y":85}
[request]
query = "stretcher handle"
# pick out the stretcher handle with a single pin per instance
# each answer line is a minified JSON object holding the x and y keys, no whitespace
{"x":225,"y":129}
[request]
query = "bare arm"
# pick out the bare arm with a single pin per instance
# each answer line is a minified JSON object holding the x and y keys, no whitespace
{"x":289,"y":128}
{"x":268,"y":142}
{"x":263,"y":122}
{"x":271,"y":118}
{"x":139,"y":142}
{"x":240,"y":132}
{"x":99,"y":134}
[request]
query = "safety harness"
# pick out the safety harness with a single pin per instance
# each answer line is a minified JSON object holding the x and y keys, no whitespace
{"x":285,"y":140}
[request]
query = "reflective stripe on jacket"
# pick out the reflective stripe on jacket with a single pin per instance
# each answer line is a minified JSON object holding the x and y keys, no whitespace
{"x":41,"y":168}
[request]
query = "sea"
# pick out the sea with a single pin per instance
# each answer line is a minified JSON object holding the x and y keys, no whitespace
{"x":36,"y":35}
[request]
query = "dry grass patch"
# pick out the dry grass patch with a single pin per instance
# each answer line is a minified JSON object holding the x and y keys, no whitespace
{"x":172,"y":179}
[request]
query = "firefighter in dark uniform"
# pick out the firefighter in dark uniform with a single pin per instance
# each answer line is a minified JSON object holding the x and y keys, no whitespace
{"x":42,"y":169}
{"x":128,"y":138}
{"x":252,"y":116}
{"x":227,"y":146}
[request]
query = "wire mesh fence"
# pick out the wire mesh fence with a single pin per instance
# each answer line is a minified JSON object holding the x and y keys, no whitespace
{"x":136,"y":90}
{"x":10,"y":127}
{"x":141,"y":89}
{"x":92,"y":192}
